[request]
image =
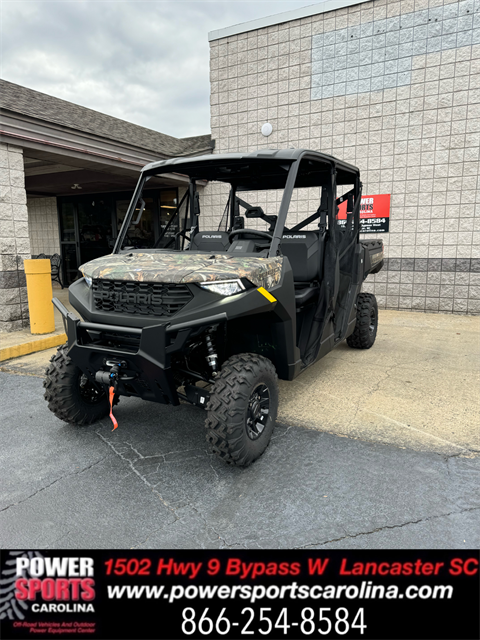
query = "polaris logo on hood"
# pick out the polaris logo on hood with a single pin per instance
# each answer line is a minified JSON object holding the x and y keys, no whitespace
{"x":294,"y":237}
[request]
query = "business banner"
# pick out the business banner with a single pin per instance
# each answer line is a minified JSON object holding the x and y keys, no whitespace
{"x":239,"y":594}
{"x":374,"y":213}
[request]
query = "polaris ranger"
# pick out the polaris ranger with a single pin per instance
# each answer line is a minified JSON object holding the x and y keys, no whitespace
{"x":213,"y":317}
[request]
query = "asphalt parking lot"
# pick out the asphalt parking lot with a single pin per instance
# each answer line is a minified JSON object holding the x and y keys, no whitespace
{"x":374,"y":449}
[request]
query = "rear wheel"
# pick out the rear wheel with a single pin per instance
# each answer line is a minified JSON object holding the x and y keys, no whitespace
{"x":242,"y":409}
{"x":70,"y":394}
{"x":365,"y":331}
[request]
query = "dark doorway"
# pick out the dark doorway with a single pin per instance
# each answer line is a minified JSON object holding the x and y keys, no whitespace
{"x":89,"y":225}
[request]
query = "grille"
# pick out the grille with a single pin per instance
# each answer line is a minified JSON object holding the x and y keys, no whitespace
{"x":140,"y":298}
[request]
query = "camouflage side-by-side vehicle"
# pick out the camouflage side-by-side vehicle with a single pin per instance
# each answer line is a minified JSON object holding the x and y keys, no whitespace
{"x":212,"y":317}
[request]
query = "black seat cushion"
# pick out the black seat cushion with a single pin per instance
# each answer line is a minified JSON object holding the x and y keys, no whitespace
{"x":302,"y":248}
{"x":210,"y":241}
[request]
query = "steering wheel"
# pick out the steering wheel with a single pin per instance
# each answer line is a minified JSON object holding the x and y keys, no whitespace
{"x":261,"y":234}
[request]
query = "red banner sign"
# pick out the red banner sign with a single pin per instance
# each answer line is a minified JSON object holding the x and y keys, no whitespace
{"x":374,"y":213}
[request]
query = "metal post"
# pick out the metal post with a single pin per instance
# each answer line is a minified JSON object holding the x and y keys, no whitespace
{"x":39,"y":291}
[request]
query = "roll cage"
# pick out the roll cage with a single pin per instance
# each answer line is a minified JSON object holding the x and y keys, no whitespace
{"x":258,"y":171}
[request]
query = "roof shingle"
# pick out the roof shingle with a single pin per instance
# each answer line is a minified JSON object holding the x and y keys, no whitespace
{"x":44,"y":107}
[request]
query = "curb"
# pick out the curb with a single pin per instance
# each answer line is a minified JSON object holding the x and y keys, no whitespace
{"x":17,"y":350}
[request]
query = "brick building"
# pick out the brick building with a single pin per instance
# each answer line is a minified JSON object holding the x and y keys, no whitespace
{"x":390,"y":86}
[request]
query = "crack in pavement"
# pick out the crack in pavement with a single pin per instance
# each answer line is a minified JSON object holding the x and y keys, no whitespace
{"x":138,"y":474}
{"x":152,"y":533}
{"x":280,"y":435}
{"x":166,"y":503}
{"x":225,"y":543}
{"x":160,"y":455}
{"x":239,"y":544}
{"x":68,"y":475}
{"x":387,"y":526}
{"x":209,"y":528}
{"x":54,"y":545}
{"x":383,"y":377}
{"x":217,"y":477}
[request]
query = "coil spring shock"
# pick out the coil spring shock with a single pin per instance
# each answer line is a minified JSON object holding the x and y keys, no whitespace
{"x":212,"y":356}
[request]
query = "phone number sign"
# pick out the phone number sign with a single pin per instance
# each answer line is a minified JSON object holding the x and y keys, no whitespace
{"x":374,"y":213}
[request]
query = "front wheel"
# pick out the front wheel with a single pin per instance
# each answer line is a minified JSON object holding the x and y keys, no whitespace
{"x":242,"y":409}
{"x":70,"y":394}
{"x":365,"y":331}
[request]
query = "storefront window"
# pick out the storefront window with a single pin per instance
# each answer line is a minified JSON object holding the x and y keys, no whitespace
{"x":67,"y":222}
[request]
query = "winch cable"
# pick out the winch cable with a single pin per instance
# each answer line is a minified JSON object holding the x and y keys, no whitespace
{"x":111,"y":379}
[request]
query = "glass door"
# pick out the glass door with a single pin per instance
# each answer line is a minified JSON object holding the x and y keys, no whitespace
{"x":86,"y":231}
{"x":69,"y":241}
{"x":94,"y":214}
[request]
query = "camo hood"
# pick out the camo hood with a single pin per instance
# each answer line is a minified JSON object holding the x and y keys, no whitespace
{"x":184,"y":267}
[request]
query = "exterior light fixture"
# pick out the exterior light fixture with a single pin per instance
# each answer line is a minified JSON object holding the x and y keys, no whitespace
{"x":267,"y":129}
{"x":75,"y":186}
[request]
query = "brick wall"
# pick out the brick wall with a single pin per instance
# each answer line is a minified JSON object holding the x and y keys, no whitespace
{"x":394,"y":88}
{"x":14,"y":240}
{"x":43,"y":226}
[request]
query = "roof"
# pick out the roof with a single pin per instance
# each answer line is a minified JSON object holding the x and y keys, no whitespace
{"x":162,"y":166}
{"x":279,"y":18}
{"x":42,"y":106}
{"x":262,"y":169}
{"x":284,"y":155}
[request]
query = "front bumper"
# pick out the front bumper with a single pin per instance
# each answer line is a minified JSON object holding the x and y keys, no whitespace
{"x":144,"y":352}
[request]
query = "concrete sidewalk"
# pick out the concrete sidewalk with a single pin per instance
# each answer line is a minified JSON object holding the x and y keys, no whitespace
{"x":21,"y":343}
{"x":417,"y":387}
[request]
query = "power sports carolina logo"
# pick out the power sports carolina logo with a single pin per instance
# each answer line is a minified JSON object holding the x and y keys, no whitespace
{"x":41,"y":584}
{"x":10,"y":607}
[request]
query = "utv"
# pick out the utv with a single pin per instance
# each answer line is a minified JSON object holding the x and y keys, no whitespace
{"x":213,"y":317}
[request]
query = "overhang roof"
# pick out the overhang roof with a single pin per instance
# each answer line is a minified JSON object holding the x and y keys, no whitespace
{"x":262,"y":169}
{"x":42,"y":106}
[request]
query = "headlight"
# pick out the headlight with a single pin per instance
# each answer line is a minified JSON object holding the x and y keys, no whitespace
{"x":225,"y":287}
{"x":88,"y":280}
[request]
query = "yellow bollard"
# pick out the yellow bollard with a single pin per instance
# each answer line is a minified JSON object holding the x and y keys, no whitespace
{"x":39,"y":291}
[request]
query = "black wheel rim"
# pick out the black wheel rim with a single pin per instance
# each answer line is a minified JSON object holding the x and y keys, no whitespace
{"x":373,"y":321}
{"x":258,"y":411}
{"x":88,"y":391}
